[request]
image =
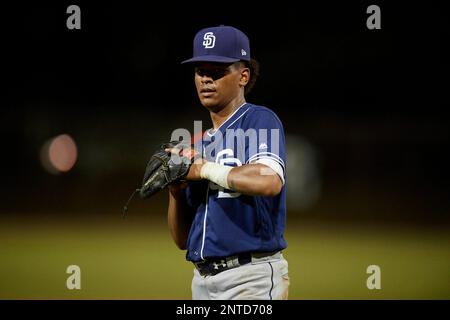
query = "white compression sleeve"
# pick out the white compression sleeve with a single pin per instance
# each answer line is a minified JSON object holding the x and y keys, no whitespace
{"x":216,"y":173}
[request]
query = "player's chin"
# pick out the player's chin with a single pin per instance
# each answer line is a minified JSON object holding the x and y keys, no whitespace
{"x":209,"y":103}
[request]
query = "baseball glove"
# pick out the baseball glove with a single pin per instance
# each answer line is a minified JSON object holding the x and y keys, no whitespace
{"x":165,"y":167}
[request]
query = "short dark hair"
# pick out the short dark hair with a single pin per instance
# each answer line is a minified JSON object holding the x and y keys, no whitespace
{"x":253,"y":65}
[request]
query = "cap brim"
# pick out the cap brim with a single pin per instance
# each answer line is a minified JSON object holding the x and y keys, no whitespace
{"x":211,"y":58}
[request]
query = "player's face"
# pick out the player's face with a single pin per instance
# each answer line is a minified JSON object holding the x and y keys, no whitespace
{"x":219,"y":84}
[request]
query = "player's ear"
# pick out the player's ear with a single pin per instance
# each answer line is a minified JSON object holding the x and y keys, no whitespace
{"x":245,"y":76}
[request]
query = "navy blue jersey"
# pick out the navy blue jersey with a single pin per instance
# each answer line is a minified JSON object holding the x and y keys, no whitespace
{"x":226,"y":223}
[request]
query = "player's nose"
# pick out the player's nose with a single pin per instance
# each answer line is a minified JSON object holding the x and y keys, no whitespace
{"x":206,"y":78}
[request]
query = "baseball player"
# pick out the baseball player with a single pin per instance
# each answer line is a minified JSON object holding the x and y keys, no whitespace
{"x":231,"y":213}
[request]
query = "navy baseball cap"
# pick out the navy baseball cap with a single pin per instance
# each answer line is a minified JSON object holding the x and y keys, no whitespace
{"x":223,"y":44}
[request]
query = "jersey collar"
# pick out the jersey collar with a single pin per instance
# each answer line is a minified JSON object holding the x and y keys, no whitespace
{"x":237,"y":113}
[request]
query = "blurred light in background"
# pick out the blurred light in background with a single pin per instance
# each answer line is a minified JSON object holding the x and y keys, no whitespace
{"x":303,"y":178}
{"x":59,"y":154}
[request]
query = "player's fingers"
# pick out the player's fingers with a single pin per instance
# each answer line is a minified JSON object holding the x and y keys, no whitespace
{"x":189,"y":153}
{"x":173,"y":150}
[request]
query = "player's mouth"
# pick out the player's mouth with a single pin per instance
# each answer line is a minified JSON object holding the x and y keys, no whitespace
{"x":207,"y":92}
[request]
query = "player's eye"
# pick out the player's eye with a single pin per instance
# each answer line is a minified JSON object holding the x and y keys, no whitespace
{"x":214,"y":72}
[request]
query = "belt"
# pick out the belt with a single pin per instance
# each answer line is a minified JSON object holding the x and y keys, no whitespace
{"x":213,"y":266}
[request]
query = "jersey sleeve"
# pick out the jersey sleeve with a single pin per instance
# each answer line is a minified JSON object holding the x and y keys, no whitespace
{"x":268,"y":147}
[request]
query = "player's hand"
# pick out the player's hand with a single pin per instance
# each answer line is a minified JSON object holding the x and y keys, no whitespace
{"x":194,"y":171}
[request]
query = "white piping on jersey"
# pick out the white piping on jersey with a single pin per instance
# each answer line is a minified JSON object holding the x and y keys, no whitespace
{"x":204,"y":224}
{"x":266,"y":154}
{"x":207,"y":190}
{"x":229,"y":117}
{"x":238,"y":118}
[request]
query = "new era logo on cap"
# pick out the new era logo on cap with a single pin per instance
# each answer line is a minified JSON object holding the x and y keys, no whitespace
{"x":223,"y":44}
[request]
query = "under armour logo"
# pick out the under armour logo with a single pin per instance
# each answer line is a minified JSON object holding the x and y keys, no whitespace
{"x":209,"y":40}
{"x":263,"y":146}
{"x":243,"y":52}
{"x":222,"y":263}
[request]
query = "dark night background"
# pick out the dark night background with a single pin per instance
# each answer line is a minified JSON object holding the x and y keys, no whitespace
{"x":365,"y":111}
{"x":371,"y":102}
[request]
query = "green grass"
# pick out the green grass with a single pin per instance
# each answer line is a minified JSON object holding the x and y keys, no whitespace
{"x":135,"y":258}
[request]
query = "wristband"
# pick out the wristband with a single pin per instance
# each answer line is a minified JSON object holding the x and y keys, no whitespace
{"x":216,"y":173}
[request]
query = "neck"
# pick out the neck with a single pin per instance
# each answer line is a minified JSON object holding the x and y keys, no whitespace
{"x":219,"y":117}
